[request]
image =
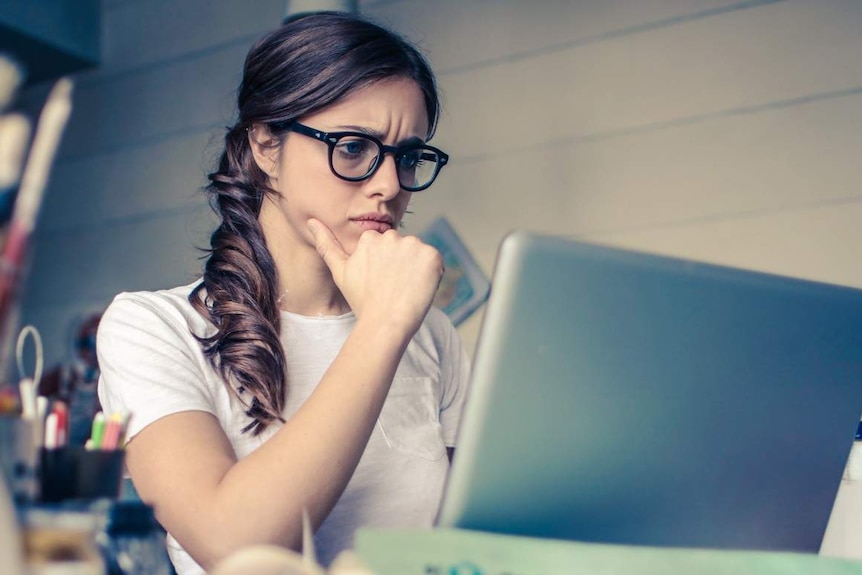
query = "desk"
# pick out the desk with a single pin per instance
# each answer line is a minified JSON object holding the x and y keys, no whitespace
{"x":452,"y":551}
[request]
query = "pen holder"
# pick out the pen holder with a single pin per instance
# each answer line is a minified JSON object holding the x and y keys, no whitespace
{"x":73,"y":472}
{"x":18,"y":457}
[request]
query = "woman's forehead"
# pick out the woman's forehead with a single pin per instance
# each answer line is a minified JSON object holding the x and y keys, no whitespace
{"x":375,"y":107}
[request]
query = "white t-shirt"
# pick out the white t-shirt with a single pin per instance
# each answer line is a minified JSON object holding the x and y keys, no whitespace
{"x":152,"y":366}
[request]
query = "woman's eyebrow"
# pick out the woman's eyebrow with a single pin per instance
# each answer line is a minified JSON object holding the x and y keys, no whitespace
{"x":413,"y":140}
{"x":360,"y":129}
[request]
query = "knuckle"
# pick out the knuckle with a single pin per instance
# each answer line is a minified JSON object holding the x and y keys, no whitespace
{"x":437,"y":260}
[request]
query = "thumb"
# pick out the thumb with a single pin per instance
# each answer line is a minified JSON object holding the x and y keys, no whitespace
{"x":328,"y":247}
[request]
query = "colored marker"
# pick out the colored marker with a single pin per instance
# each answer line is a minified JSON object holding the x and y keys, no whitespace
{"x":62,"y":412}
{"x":124,"y":427}
{"x":112,"y":432}
{"x":97,"y":432}
{"x":51,"y":430}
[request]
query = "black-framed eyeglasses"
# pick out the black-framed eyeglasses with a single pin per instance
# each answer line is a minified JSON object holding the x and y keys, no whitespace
{"x":354,"y":156}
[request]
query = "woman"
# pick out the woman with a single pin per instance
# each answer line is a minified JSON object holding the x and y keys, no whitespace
{"x":307,"y":369}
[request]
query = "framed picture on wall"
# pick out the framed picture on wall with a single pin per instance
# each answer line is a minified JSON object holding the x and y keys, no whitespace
{"x":464,"y":286}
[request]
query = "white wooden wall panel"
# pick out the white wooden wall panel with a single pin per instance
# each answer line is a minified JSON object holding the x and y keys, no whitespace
{"x":98,"y":262}
{"x":137,"y":34}
{"x":130,"y":182}
{"x":460,"y":35}
{"x":820,"y":243}
{"x":158,"y":103}
{"x":724,"y":168}
{"x":731,"y":62}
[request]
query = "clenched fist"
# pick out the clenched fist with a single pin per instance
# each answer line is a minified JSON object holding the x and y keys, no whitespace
{"x":388,"y":278}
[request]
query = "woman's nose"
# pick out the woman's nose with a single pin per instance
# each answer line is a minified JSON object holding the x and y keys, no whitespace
{"x":385,"y":182}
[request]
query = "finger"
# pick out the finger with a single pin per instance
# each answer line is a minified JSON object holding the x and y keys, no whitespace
{"x":328,"y":246}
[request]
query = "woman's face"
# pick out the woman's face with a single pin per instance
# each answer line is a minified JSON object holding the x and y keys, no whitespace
{"x":394,"y":112}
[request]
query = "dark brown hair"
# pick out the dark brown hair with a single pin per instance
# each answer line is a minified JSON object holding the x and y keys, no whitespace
{"x":298,"y":69}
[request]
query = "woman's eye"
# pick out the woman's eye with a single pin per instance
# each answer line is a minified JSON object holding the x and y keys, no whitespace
{"x":353,"y":147}
{"x":410,"y":160}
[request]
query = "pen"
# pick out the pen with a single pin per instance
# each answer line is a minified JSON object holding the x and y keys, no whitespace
{"x":124,"y":426}
{"x":61,"y":413}
{"x":112,"y":432}
{"x":41,"y":414}
{"x":51,"y":431}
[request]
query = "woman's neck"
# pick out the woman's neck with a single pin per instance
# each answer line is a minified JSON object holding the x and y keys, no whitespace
{"x":311,"y":302}
{"x":306,"y":287}
{"x":305,"y":284}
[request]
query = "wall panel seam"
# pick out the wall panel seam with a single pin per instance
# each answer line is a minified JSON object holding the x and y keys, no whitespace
{"x":667,"y":124}
{"x":604,"y":36}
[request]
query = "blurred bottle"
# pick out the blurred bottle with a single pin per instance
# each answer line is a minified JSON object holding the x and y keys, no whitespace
{"x":61,"y":540}
{"x":132,"y":542}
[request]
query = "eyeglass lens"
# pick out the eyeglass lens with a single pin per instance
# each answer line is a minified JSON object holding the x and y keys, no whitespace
{"x":355,"y":157}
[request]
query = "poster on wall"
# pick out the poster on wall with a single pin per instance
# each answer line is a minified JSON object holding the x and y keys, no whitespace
{"x":464,"y":287}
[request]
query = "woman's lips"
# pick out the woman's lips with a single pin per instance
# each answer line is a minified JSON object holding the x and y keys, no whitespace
{"x":374,"y":225}
{"x":379,"y":224}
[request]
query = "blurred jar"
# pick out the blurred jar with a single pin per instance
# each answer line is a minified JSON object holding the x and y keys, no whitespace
{"x":19,"y":457}
{"x":61,"y":540}
{"x":132,"y":541}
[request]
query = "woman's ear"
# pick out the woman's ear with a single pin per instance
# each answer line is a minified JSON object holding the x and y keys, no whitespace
{"x":265,"y":149}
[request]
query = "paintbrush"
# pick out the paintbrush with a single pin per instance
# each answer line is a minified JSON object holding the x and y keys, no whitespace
{"x":49,"y":130}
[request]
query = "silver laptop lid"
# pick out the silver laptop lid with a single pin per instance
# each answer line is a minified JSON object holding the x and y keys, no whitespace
{"x":629,"y":398}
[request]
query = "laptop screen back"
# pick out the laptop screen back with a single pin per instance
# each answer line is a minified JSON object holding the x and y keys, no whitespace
{"x":629,"y":398}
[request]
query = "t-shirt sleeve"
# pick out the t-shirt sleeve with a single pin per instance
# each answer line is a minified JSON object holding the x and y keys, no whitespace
{"x":455,"y":374}
{"x":150,"y":362}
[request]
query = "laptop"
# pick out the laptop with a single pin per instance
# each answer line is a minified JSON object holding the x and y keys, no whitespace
{"x":623,"y":397}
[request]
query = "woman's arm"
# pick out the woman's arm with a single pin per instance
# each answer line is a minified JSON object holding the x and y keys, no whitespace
{"x":184,"y":465}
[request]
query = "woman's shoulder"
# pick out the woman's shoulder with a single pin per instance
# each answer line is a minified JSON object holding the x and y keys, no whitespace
{"x":174,"y":297}
{"x":170,"y":306}
{"x":437,"y":332}
{"x":438,"y":322}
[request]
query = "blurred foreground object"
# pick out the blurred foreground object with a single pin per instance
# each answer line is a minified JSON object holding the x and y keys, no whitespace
{"x":11,"y":77}
{"x":10,"y":537}
{"x":15,"y":250}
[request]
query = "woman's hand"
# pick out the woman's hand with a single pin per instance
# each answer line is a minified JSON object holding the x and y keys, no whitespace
{"x":388,"y":278}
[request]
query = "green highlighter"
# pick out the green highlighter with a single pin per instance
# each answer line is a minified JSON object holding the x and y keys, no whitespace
{"x":97,"y":432}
